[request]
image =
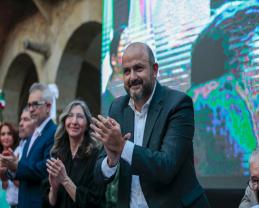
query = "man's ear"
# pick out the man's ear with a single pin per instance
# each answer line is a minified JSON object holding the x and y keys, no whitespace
{"x":49,"y":106}
{"x":155,"y":69}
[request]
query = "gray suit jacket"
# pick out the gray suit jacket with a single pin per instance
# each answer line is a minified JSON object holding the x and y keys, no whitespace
{"x":249,"y":199}
{"x":164,"y":162}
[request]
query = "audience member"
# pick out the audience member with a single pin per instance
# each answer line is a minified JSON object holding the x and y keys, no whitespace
{"x":31,"y":169}
{"x":73,"y":159}
{"x":27,"y":126}
{"x":8,"y":142}
{"x":251,"y":197}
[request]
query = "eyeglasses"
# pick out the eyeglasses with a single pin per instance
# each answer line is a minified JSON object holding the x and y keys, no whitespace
{"x":35,"y":104}
{"x":253,"y":184}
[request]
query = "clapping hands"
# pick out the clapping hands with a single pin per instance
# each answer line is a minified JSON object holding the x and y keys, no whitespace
{"x":57,"y":172}
{"x":108,"y":131}
{"x":9,"y":161}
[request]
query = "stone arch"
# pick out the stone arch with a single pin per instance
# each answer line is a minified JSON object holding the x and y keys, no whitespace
{"x":78,"y":71}
{"x":20,"y":75}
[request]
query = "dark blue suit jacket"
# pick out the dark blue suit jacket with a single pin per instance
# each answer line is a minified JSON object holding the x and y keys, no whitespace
{"x":32,"y":168}
{"x":164,"y":162}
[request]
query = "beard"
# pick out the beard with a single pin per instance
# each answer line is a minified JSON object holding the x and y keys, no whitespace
{"x":144,"y":91}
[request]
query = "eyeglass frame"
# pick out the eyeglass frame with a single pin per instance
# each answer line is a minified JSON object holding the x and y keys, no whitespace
{"x":36,"y":104}
{"x":251,"y":182}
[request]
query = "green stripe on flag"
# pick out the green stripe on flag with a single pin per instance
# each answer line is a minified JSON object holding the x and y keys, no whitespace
{"x":2,"y":100}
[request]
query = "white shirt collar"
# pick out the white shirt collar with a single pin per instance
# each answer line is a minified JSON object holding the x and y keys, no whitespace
{"x":42,"y":125}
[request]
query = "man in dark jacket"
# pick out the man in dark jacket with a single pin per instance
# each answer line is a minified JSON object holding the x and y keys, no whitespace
{"x":155,"y":155}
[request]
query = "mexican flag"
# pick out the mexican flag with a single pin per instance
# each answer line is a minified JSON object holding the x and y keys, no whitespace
{"x":2,"y":100}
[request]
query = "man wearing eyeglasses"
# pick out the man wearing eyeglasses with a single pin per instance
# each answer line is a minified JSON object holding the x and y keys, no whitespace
{"x":31,"y":169}
{"x":251,"y":196}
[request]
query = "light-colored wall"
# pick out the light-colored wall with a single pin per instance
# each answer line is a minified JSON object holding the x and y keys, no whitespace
{"x":65,"y":17}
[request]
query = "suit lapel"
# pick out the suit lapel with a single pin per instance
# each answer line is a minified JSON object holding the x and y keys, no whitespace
{"x":153,"y":112}
{"x":40,"y":137}
{"x":128,"y":127}
{"x":26,"y":146}
{"x":128,"y":122}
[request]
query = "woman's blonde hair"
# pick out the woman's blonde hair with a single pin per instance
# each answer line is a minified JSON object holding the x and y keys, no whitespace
{"x":61,"y":147}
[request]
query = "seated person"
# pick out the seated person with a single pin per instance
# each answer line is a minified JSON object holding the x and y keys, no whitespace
{"x":251,"y":196}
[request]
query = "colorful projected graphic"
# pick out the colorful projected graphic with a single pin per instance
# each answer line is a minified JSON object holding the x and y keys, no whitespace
{"x":209,"y":49}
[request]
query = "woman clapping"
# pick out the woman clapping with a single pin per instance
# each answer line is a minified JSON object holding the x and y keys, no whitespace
{"x":73,"y":158}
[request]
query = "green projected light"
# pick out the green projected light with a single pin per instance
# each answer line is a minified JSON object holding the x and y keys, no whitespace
{"x":206,"y":48}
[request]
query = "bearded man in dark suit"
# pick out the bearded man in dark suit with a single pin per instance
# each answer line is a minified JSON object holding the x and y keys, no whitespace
{"x":148,"y":139}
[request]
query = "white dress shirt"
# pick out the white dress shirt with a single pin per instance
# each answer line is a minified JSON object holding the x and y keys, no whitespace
{"x":37,"y":132}
{"x":137,"y":199}
{"x":18,"y":151}
{"x":12,"y":190}
{"x":12,"y":193}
